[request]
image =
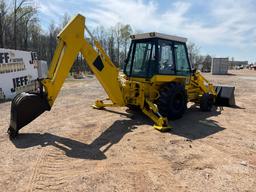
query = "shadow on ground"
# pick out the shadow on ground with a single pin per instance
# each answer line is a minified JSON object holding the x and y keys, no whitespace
{"x":194,"y":125}
{"x":77,"y":149}
{"x":237,"y":107}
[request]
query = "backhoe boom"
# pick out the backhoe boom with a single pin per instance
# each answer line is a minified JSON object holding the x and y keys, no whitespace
{"x":71,"y":41}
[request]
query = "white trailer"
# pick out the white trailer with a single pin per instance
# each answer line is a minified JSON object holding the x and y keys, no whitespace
{"x":18,"y":72}
{"x":220,"y":66}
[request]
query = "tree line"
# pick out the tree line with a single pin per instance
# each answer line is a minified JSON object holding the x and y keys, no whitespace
{"x":20,"y":29}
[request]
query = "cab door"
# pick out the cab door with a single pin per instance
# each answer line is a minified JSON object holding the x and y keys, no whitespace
{"x":166,"y":60}
{"x":141,"y":58}
{"x":181,"y":59}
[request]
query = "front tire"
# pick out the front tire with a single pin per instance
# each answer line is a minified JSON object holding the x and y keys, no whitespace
{"x":206,"y":102}
{"x":172,"y":102}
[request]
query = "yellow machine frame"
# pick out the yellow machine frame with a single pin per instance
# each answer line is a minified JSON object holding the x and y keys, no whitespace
{"x":121,"y":90}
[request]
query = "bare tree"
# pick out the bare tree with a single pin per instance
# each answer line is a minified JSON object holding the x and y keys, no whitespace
{"x":3,"y":12}
{"x":118,"y":38}
{"x":53,"y":32}
{"x":101,"y":34}
{"x":25,"y":23}
{"x":66,"y":19}
{"x":126,"y":31}
{"x":193,"y":53}
{"x":111,"y":45}
{"x":207,"y":63}
{"x":21,"y":9}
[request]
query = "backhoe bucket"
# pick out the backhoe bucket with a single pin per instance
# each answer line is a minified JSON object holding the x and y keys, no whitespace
{"x":25,"y":108}
{"x":225,"y":95}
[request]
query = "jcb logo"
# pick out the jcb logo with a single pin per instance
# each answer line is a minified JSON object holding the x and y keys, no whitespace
{"x":4,"y":57}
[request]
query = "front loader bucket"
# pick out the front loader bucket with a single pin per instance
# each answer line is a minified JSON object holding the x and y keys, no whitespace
{"x":25,"y":108}
{"x":225,"y":95}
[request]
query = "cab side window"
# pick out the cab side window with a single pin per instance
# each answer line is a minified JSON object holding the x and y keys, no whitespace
{"x":182,"y":64}
{"x":166,"y":61}
{"x":142,"y":58}
{"x":127,"y":69}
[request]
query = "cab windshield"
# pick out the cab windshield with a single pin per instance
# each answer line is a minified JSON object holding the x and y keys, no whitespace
{"x":150,"y":57}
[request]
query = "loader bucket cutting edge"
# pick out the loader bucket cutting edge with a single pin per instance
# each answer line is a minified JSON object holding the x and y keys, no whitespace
{"x":25,"y":108}
{"x":225,"y":95}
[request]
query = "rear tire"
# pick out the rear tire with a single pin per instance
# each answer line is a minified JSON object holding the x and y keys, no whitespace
{"x":206,"y":102}
{"x":172,"y":102}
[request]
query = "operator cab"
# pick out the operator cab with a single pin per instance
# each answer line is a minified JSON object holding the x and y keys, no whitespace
{"x":157,"y":54}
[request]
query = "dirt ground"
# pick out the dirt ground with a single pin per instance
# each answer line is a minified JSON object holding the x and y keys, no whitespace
{"x":77,"y":148}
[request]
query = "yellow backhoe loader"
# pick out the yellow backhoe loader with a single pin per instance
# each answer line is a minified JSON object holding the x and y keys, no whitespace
{"x":157,"y":78}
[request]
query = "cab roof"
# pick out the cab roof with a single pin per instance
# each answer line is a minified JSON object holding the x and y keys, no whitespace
{"x":158,"y":35}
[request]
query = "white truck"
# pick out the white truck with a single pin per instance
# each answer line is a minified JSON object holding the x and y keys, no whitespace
{"x":18,"y":72}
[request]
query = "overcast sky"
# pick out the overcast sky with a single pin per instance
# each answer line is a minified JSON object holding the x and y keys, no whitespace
{"x":223,"y":28}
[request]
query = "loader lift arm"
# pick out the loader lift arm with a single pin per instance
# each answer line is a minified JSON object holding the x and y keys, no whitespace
{"x":28,"y":106}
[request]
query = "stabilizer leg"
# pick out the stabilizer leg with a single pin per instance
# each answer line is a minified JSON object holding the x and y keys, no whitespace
{"x":100,"y":104}
{"x":151,"y":110}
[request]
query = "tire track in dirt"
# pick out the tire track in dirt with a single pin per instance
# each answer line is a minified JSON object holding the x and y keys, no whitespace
{"x":50,"y":172}
{"x":36,"y":168}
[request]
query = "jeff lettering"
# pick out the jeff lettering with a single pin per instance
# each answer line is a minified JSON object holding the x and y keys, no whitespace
{"x":20,"y":81}
{"x":4,"y":57}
